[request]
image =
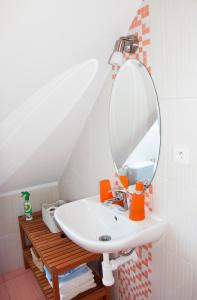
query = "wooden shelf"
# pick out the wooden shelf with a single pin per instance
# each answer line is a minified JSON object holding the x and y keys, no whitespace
{"x":42,"y":281}
{"x":46,"y":287}
{"x":59,"y":254}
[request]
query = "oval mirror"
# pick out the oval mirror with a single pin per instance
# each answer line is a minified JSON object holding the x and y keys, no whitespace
{"x":134,"y":122}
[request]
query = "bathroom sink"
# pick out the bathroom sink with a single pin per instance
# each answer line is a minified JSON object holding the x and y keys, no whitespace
{"x":105,"y":229}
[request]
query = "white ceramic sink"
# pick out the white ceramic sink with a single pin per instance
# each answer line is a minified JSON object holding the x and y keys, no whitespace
{"x":85,"y":220}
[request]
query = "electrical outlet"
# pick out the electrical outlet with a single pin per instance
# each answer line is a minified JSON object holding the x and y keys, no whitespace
{"x":181,"y":155}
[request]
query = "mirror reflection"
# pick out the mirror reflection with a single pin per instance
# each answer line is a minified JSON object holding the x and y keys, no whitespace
{"x":134,"y":123}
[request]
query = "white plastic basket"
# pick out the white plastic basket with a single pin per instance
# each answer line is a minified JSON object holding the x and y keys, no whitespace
{"x":37,"y":260}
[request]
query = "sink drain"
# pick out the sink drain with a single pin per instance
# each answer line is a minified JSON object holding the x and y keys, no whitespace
{"x":105,"y":238}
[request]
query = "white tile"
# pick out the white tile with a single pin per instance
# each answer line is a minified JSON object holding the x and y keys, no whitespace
{"x":174,"y":47}
{"x":194,"y":286}
{"x":157,"y":272}
{"x":7,"y":224}
{"x":178,"y":119}
{"x":184,"y":279}
{"x":10,"y":253}
{"x":175,"y":192}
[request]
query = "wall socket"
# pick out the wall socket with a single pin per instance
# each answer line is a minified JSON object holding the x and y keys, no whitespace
{"x":181,"y":155}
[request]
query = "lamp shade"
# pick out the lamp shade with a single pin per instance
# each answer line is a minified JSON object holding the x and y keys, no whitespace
{"x":116,"y":59}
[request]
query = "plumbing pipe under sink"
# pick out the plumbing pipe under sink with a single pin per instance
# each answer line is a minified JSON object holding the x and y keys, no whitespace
{"x":108,"y":266}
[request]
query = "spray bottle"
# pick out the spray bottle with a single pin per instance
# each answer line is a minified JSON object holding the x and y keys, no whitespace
{"x":27,"y":206}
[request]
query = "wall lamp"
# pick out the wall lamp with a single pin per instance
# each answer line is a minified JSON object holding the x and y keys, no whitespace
{"x":125,"y":44}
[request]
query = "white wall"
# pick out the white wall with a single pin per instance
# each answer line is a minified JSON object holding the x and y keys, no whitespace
{"x":174,"y":69}
{"x":39,"y":41}
{"x":91,"y":159}
{"x":11,"y":206}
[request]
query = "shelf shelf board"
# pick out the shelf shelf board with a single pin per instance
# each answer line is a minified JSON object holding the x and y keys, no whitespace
{"x":98,"y":291}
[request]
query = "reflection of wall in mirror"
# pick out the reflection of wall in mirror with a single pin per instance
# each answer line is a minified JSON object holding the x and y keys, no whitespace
{"x":133,"y":116}
{"x":147,"y":149}
{"x":141,"y":164}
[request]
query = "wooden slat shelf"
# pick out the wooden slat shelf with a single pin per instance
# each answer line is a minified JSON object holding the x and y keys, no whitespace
{"x":42,"y":281}
{"x":59,"y":254}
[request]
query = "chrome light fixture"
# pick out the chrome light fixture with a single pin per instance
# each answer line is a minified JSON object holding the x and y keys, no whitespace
{"x":125,"y":44}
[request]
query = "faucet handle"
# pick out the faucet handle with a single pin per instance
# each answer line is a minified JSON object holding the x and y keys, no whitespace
{"x":118,"y":190}
{"x":121,"y":195}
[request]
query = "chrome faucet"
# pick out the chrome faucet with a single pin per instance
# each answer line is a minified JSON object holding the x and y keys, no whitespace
{"x":120,"y":196}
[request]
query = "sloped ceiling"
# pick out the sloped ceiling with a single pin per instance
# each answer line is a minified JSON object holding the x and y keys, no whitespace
{"x":42,"y":39}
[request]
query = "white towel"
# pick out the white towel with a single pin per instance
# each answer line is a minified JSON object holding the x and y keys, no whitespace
{"x":80,"y":276}
{"x":74,"y":292}
{"x":83,"y":278}
{"x":72,"y":287}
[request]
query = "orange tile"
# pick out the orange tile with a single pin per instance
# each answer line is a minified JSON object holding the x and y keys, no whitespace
{"x":126,"y":55}
{"x":145,"y":58}
{"x":149,"y":70}
{"x":134,"y":24}
{"x":146,"y":42}
{"x":144,"y":53}
{"x":139,"y":22}
{"x":145,"y":11}
{"x":145,"y":29}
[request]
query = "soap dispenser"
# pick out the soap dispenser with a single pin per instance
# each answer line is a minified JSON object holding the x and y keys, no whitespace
{"x":137,"y":212}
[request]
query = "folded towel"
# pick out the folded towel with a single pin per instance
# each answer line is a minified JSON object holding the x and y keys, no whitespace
{"x":72,"y":286}
{"x":78,"y":276}
{"x":73,"y":293}
{"x":75,"y":282}
{"x":82,"y":268}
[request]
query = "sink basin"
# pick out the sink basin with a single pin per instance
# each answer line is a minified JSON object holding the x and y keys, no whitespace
{"x":86,"y":221}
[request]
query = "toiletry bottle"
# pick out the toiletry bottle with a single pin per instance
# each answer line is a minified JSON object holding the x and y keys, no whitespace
{"x":27,"y":206}
{"x":137,"y":203}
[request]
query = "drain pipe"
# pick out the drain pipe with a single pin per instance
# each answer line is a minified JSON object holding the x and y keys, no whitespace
{"x":108,"y":266}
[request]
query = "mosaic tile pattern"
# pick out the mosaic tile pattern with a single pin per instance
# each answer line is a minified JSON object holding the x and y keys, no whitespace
{"x":134,"y":279}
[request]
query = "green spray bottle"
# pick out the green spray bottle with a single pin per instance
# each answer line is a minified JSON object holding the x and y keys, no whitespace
{"x":27,"y":206}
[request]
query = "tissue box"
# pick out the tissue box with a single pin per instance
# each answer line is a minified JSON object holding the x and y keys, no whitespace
{"x":48,"y":211}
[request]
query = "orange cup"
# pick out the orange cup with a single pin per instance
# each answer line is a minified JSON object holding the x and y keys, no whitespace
{"x":105,"y":188}
{"x":124,"y":180}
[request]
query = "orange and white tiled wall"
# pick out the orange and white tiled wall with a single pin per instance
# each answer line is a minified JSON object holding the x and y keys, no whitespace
{"x":134,"y":279}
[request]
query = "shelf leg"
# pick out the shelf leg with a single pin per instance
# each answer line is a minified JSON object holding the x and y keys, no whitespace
{"x":107,"y":297}
{"x":56,"y":291}
{"x":22,"y":234}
